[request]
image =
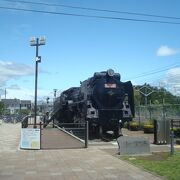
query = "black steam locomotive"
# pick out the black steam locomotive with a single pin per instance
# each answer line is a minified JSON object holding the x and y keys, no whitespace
{"x":103,"y":100}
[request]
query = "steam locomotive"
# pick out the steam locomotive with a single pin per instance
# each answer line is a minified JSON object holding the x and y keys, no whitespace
{"x":103,"y":100}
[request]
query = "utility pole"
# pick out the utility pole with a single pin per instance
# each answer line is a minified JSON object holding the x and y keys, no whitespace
{"x":36,"y":42}
{"x":5,"y":93}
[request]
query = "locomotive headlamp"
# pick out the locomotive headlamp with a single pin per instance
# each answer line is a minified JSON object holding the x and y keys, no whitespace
{"x":110,"y":72}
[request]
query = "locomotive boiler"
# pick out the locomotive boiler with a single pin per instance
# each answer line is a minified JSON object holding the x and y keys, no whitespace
{"x":103,"y":100}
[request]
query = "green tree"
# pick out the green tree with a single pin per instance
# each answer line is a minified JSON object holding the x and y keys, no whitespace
{"x":137,"y":97}
{"x":24,"y":111}
{"x":159,"y":96}
{"x":1,"y":107}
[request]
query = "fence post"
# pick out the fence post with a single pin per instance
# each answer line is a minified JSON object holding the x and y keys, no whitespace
{"x":155,"y":131}
{"x":86,"y":134}
{"x":139,"y":110}
{"x":53,"y":122}
{"x":40,"y":133}
{"x":172,"y":138}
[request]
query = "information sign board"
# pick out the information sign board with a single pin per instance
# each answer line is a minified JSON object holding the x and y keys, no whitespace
{"x":30,"y":138}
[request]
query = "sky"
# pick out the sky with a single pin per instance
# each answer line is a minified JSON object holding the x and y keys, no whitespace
{"x":77,"y":46}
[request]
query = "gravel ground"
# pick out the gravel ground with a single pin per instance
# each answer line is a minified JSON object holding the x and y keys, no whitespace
{"x":126,"y":132}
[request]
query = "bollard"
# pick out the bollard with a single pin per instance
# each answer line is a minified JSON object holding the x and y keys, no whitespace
{"x":53,"y":122}
{"x":40,"y":133}
{"x":155,"y":131}
{"x":172,"y":138}
{"x":86,"y":134}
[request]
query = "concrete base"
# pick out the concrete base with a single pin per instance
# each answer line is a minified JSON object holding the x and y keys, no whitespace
{"x":133,"y":145}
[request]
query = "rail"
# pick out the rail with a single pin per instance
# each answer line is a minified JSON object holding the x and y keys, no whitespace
{"x":28,"y":120}
{"x":72,"y":128}
{"x":79,"y":130}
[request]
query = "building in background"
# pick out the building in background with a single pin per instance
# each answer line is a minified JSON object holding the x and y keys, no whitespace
{"x":14,"y":106}
{"x":25,"y":104}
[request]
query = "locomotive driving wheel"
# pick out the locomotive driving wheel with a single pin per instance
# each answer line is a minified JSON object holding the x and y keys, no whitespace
{"x":101,"y":132}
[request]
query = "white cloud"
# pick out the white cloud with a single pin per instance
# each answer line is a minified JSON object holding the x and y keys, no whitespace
{"x":167,"y":51}
{"x":173,"y":76}
{"x":172,"y":80}
{"x":14,"y":86}
{"x":27,"y":94}
{"x":9,"y":70}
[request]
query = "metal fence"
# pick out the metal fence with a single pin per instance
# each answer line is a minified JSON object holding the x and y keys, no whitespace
{"x":157,"y":112}
{"x":80,"y":130}
{"x":12,"y":118}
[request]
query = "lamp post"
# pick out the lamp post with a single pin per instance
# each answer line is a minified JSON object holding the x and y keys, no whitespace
{"x":36,"y":42}
{"x":55,"y":90}
{"x":47,"y":100}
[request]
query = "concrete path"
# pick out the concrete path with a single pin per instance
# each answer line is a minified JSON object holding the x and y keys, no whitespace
{"x":71,"y":164}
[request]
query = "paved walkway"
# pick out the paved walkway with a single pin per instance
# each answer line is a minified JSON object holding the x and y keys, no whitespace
{"x":71,"y":164}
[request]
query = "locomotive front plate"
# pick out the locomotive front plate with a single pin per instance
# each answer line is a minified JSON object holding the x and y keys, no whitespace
{"x":110,"y":85}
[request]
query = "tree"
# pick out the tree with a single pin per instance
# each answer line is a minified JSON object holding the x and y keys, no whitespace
{"x":1,"y":107}
{"x":24,"y":111}
{"x":137,"y":97}
{"x":159,"y":96}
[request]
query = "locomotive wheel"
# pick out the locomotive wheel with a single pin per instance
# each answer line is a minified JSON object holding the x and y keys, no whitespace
{"x":101,"y":132}
{"x":93,"y":132}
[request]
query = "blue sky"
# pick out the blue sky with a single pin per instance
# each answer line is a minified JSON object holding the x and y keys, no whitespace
{"x":76,"y":47}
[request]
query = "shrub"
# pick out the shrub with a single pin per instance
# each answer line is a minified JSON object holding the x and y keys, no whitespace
{"x":148,"y":128}
{"x":133,"y":126}
{"x":176,"y":132}
{"x":141,"y":126}
{"x":125,"y":125}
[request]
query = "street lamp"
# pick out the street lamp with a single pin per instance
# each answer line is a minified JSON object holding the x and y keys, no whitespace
{"x":36,"y":42}
{"x":55,"y":90}
{"x":47,"y":100}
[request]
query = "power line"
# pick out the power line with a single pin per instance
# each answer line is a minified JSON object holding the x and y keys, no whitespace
{"x":96,"y":9}
{"x":153,"y":72}
{"x":169,"y":66}
{"x":89,"y":16}
{"x":158,"y":80}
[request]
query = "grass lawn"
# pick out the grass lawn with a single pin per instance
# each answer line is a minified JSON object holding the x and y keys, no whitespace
{"x":160,"y":163}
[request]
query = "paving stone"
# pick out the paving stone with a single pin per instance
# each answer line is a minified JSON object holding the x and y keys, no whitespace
{"x":71,"y":164}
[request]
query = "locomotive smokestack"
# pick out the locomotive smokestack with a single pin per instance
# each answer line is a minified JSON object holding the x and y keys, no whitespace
{"x":110,"y":72}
